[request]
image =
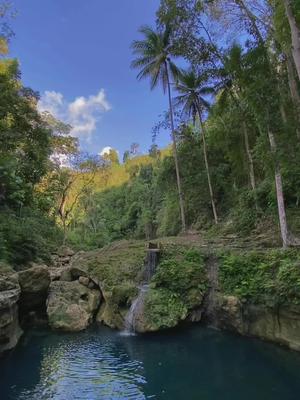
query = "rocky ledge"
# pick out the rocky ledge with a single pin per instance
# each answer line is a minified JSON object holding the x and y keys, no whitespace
{"x":278,"y":325}
{"x":10,"y":330}
{"x":108,"y":286}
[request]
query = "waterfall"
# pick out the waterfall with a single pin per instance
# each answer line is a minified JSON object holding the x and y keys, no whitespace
{"x":211,"y":303}
{"x":136,"y":311}
{"x":137,"y":307}
{"x":150,"y":264}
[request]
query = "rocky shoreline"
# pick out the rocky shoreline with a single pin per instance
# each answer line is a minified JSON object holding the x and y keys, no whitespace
{"x":70,"y":295}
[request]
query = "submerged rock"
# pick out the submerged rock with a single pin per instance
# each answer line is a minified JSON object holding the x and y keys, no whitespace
{"x":71,"y":306}
{"x":10,"y":330}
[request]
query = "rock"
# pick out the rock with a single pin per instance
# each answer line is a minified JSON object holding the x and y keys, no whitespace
{"x":84,"y":281}
{"x":195,"y":315}
{"x":66,"y":275}
{"x":275,"y":324}
{"x":65,"y":251}
{"x":34,"y":283}
{"x":229,"y":314}
{"x":35,"y":279}
{"x":9,"y":282}
{"x":111,"y":312}
{"x":109,"y":315}
{"x":280,"y":325}
{"x":71,"y":306}
{"x":77,"y":272}
{"x":10,"y":330}
{"x":92,"y":285}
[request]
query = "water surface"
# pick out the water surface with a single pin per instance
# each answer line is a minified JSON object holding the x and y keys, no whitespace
{"x":194,"y":363}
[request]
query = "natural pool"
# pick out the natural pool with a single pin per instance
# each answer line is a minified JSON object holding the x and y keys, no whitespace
{"x":193,"y":363}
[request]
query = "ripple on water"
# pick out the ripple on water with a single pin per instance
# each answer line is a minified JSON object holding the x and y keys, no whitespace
{"x":193,"y":363}
{"x":87,"y":370}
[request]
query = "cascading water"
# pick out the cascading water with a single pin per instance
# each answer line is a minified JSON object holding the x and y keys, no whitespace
{"x":136,"y":310}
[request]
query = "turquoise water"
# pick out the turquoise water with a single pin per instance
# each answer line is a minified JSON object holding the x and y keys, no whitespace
{"x":193,"y":363}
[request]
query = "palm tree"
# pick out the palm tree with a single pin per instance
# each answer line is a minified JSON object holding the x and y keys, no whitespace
{"x":191,"y":91}
{"x":154,"y":62}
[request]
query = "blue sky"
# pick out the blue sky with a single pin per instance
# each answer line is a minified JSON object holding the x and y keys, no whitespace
{"x":77,"y":55}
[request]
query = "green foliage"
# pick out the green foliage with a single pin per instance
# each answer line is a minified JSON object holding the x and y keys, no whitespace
{"x":30,"y":236}
{"x":164,"y":309}
{"x":177,"y":287}
{"x":268,"y":278}
{"x":184,"y":276}
{"x":26,"y":233}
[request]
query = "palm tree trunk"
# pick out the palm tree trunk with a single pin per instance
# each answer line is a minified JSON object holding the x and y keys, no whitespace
{"x":211,"y":193}
{"x":279,"y":192}
{"x":249,"y":156}
{"x":295,"y":33}
{"x":180,"y":194}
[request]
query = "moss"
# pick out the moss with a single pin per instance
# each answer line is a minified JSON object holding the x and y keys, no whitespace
{"x":116,"y":264}
{"x":122,"y":295}
{"x":183,"y":273}
{"x":270,"y":277}
{"x":163,"y":309}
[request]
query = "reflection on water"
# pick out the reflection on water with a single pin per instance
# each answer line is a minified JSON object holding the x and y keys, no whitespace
{"x":194,"y":363}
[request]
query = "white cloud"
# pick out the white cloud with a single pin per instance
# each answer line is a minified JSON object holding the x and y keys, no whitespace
{"x":62,"y":160}
{"x":106,"y":150}
{"x":51,"y":101}
{"x":82,"y":114}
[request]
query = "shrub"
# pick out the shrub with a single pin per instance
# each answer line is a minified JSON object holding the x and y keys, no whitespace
{"x":184,"y":276}
{"x":164,"y":308}
{"x":25,"y":238}
{"x":271,"y":277}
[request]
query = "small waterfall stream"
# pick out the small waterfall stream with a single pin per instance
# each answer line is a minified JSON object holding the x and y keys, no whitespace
{"x":136,"y":309}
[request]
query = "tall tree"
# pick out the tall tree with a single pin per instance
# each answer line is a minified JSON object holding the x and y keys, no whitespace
{"x":295,"y":33}
{"x":229,"y":87}
{"x":191,"y":89}
{"x":154,"y":62}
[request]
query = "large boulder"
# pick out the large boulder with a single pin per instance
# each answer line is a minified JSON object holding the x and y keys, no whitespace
{"x":71,"y":306}
{"x":34,"y":283}
{"x":280,"y":325}
{"x":10,"y":331}
{"x":116,"y":305}
{"x":275,"y":324}
{"x":229,"y":314}
{"x":35,"y":279}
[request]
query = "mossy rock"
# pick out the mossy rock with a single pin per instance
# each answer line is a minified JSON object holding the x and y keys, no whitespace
{"x":111,"y":315}
{"x":114,"y":264}
{"x":184,"y":274}
{"x":163,"y":309}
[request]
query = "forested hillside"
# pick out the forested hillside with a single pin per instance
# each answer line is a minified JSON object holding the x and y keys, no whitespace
{"x":234,"y":119}
{"x":230,"y":72}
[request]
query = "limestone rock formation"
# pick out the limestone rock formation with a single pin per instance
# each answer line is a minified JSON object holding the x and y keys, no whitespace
{"x":71,"y":306}
{"x":10,"y":331}
{"x":276,"y":324}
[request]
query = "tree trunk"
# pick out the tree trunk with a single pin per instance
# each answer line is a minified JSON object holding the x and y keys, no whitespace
{"x":180,"y":195}
{"x":211,"y":193}
{"x":249,"y":156}
{"x":295,"y":34}
{"x":279,"y":192}
{"x":294,"y":91}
